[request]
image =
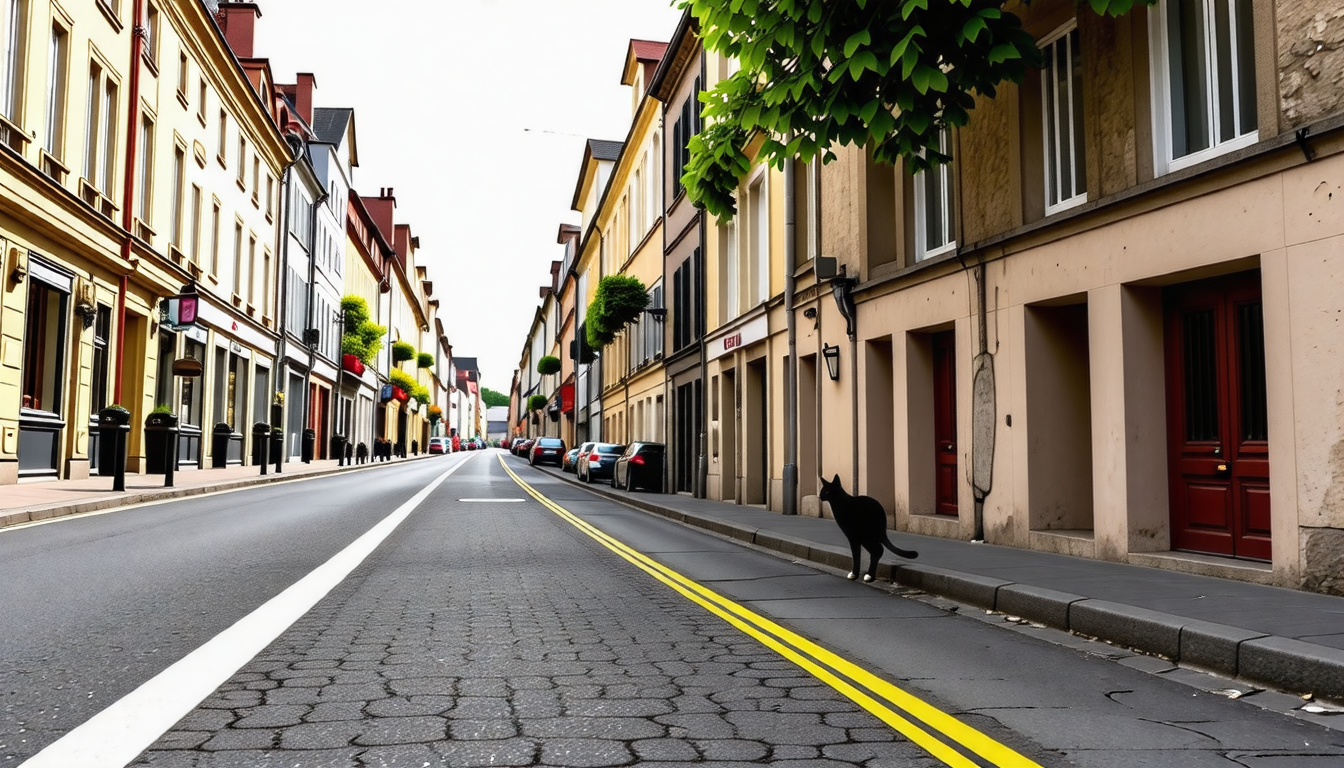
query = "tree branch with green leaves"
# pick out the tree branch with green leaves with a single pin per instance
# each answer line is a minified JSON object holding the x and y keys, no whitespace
{"x":816,"y":74}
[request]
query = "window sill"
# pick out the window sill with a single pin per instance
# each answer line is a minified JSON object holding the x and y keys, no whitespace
{"x":1072,"y":202}
{"x":194,"y":269}
{"x":1195,"y":158}
{"x":256,"y":202}
{"x":921,"y":256}
{"x":15,"y":137}
{"x":179,"y":258}
{"x":150,"y":63}
{"x":236,"y":300}
{"x":54,"y":168}
{"x":200,"y":118}
{"x":182,"y":99}
{"x":144,"y":231}
{"x":213,"y":280}
{"x":110,"y":15}
{"x":222,"y":162}
{"x":242,"y":185}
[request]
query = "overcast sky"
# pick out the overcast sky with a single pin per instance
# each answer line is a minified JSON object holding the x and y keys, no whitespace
{"x":475,"y":112}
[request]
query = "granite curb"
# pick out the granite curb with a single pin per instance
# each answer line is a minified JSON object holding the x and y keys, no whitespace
{"x":11,"y":517}
{"x":1283,"y":663}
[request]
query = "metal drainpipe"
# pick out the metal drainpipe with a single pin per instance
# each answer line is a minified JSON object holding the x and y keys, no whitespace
{"x":791,"y":361}
{"x":138,"y":35}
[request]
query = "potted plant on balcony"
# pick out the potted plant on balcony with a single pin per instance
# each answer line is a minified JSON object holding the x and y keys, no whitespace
{"x":402,"y":351}
{"x":548,"y":365}
{"x":617,"y":303}
{"x":402,"y":384}
{"x":424,"y":360}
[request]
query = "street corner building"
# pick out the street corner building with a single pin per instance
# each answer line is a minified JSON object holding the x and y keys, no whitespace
{"x":1110,"y":328}
{"x":135,"y":168}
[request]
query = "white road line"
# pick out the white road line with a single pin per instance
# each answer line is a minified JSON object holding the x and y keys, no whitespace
{"x":117,"y":735}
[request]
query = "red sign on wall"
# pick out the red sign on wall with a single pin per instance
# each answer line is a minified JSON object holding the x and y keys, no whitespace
{"x":566,"y":398}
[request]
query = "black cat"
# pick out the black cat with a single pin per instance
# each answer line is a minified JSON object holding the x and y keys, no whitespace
{"x":864,"y":523}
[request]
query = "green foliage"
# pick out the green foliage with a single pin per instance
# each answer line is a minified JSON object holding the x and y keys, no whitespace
{"x":548,"y":365}
{"x":351,"y":344}
{"x":493,"y":399}
{"x":886,"y":74}
{"x":617,"y":302}
{"x":421,"y":394}
{"x":424,"y":360}
{"x":161,"y":408}
{"x":401,"y":380}
{"x":356,"y":312}
{"x":402,"y":351}
{"x":372,"y":335}
{"x":536,"y":402}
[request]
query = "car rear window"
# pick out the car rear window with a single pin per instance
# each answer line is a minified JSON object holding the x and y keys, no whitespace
{"x":550,"y":442}
{"x":610,"y":450}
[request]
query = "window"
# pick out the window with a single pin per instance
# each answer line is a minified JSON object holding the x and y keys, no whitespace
{"x":1205,"y":80}
{"x":807,"y":216}
{"x":758,"y":242}
{"x":731,"y":288}
{"x":270,"y":197}
{"x":223,"y":137}
{"x":56,"y":83}
{"x":178,"y":222}
{"x":183,"y":71}
{"x":196,"y":215}
{"x":251,"y":261}
{"x":266,"y":282}
{"x":102,"y":333}
{"x":202,"y":92}
{"x":637,"y":223}
{"x":100,"y":129}
{"x":214,"y":237}
{"x":242,"y":160}
{"x":144,"y":198}
{"x":151,"y":35}
{"x":933,"y":207}
{"x":11,"y":66}
{"x":238,"y":258}
{"x":43,"y":347}
{"x":1062,"y":121}
{"x":256,"y":178}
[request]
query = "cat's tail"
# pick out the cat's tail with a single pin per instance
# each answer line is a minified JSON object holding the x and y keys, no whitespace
{"x":908,"y":554}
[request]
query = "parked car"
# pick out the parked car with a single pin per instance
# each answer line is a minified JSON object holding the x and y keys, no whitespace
{"x":597,"y":460}
{"x":505,"y":443}
{"x":546,"y":449}
{"x":641,"y":466}
{"x":521,"y":447}
{"x":571,"y":459}
{"x":439,"y":445}
{"x":471,"y":445}
{"x":457,"y":443}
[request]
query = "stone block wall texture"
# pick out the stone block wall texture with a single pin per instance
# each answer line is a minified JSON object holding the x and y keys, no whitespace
{"x":1310,"y":60}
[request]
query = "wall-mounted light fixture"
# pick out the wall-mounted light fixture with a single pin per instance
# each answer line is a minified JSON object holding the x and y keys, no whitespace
{"x":831,"y":354}
{"x":18,"y":265}
{"x":84,"y":306}
{"x":657,"y":313}
{"x":841,"y":288}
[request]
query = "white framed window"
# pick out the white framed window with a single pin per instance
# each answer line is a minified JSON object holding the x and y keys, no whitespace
{"x":144,"y":199}
{"x":732,"y":286}
{"x":176,"y":225}
{"x":1203,"y":80}
{"x":758,"y":240}
{"x":57,"y":63}
{"x":1062,"y":120}
{"x":933,"y":207}
{"x":11,"y":26}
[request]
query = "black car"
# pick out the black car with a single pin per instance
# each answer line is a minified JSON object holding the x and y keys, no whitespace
{"x":547,"y":449}
{"x":641,"y":466}
{"x":598,"y":460}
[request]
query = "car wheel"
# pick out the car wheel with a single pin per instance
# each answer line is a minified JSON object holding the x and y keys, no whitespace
{"x":613,"y":478}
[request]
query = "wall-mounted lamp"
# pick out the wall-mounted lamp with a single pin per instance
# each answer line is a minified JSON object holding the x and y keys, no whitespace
{"x":657,"y":313}
{"x":18,"y":261}
{"x":831,"y":354}
{"x":84,"y":302}
{"x":844,"y":301}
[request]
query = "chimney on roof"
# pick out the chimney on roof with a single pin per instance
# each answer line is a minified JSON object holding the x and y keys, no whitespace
{"x":303,"y":96}
{"x":238,"y":22}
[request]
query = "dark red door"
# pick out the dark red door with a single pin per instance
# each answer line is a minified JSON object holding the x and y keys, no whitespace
{"x":945,"y":422}
{"x":1218,"y":446}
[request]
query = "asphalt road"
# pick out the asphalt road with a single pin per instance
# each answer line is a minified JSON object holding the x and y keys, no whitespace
{"x":490,"y":628}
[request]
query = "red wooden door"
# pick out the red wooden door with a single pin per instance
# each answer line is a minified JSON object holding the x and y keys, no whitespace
{"x":1218,"y":446}
{"x":945,"y":422}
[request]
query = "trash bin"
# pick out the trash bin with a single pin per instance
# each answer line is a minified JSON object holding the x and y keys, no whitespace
{"x":160,"y":428}
{"x":338,"y":449}
{"x":113,"y":422}
{"x":306,"y":446}
{"x":219,"y":445}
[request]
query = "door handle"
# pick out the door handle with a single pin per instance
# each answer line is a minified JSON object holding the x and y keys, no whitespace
{"x":1223,"y":468}
{"x":947,"y":447}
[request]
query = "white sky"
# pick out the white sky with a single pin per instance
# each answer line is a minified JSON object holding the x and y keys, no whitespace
{"x":442,"y":92}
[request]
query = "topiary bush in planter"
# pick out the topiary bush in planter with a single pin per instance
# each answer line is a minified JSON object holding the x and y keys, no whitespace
{"x":424,"y":360}
{"x":536,"y":402}
{"x":401,"y":380}
{"x":402,"y":351}
{"x":548,"y":365}
{"x":617,"y":303}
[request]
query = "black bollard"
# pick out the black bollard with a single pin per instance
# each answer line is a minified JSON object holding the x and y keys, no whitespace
{"x":170,"y":465}
{"x":279,"y":450}
{"x":261,"y":438}
{"x":119,"y":464}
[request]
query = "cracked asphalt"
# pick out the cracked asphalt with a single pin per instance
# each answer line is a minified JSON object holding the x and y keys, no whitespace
{"x":496,"y":633}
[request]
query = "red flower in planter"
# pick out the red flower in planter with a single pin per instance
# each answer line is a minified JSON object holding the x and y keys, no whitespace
{"x":399,"y":394}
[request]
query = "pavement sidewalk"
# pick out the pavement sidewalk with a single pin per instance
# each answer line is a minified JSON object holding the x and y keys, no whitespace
{"x":1277,"y":638}
{"x":33,"y":501}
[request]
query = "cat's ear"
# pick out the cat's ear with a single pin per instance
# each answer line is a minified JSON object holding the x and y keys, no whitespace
{"x":836,"y":481}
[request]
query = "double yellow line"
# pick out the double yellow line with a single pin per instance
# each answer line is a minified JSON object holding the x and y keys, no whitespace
{"x":940,"y":734}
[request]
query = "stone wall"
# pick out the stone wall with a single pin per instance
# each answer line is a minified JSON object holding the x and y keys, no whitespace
{"x":1311,"y":59}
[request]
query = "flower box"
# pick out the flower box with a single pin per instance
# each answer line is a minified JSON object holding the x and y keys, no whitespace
{"x":352,"y":364}
{"x":399,"y":394}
